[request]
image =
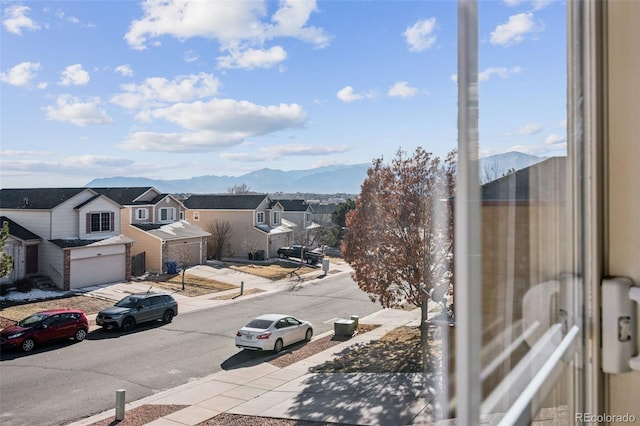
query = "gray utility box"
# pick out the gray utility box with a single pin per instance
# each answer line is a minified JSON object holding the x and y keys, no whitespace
{"x":344,"y":327}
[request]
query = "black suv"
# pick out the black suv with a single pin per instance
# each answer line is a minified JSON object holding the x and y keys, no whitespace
{"x":138,"y":308}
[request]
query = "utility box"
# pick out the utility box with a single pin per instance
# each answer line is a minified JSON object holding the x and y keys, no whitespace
{"x":344,"y":327}
{"x":325,"y":265}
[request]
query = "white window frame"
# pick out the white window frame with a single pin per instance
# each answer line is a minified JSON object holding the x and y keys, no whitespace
{"x":196,"y":216}
{"x":276,"y":217}
{"x":101,"y":214}
{"x":145,"y":214}
{"x":260,"y":217}
{"x":167,"y":209}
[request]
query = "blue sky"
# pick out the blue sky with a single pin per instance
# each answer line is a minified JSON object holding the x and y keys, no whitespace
{"x":176,"y":89}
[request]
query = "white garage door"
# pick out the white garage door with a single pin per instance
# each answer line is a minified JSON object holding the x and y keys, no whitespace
{"x":97,"y":270}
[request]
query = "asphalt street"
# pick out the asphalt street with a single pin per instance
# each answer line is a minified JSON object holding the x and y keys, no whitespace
{"x":60,"y":383}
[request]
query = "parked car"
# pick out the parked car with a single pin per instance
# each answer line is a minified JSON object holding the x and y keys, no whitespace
{"x":138,"y":308}
{"x":45,"y":326}
{"x":273,"y":332}
{"x":312,"y":257}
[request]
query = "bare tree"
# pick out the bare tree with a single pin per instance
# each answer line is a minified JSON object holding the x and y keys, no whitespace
{"x":218,"y":242}
{"x":242,"y":188}
{"x":183,"y":255}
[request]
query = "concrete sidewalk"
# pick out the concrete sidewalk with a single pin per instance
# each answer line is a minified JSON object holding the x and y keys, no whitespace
{"x":293,"y":392}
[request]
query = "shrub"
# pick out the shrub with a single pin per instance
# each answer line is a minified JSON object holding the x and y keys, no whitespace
{"x":24,"y":285}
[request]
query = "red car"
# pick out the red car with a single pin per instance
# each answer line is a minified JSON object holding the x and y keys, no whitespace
{"x":45,"y":326}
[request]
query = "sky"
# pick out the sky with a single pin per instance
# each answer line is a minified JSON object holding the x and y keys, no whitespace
{"x":169,"y":89}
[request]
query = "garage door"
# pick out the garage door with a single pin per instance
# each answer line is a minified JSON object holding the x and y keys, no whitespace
{"x":97,"y":270}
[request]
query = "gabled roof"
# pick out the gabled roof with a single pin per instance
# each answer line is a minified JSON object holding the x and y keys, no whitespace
{"x":127,"y":196}
{"x":77,"y":242}
{"x":173,"y":231}
{"x":36,"y":198}
{"x":294,"y":205}
{"x":224,"y":202}
{"x":18,"y":231}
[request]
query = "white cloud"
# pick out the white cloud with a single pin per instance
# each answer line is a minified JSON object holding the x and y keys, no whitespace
{"x":402,"y":89}
{"x":253,"y":58}
{"x":237,"y":26}
{"x":214,"y":124}
{"x":485,"y":75}
{"x":501,"y":72}
{"x":124,"y":70}
{"x":514,"y":30}
{"x":190,"y":56}
{"x":554,"y":139}
{"x":346,"y":94}
{"x":15,"y":153}
{"x":158,"y":91}
{"x":74,"y":75}
{"x":61,"y":15}
{"x":21,"y":74}
{"x":420,"y":35}
{"x":529,"y":129}
{"x":15,"y":19}
{"x":73,"y":110}
{"x":231,"y":116}
{"x":181,"y":142}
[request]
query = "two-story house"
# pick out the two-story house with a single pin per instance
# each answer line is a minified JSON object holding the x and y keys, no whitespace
{"x":255,"y":221}
{"x":71,"y":235}
{"x":156,"y":222}
{"x":297,"y":215}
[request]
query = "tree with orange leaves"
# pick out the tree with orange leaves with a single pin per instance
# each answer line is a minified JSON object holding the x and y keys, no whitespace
{"x":399,"y":236}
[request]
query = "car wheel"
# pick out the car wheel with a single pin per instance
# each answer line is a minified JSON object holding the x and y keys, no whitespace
{"x":80,"y":335}
{"x":278,"y":347}
{"x":128,"y":324}
{"x":28,"y":345}
{"x":167,"y":317}
{"x":309,"y":334}
{"x":309,"y":261}
{"x":282,"y":256}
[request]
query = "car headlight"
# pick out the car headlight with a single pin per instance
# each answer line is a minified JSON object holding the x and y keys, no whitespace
{"x":13,"y":336}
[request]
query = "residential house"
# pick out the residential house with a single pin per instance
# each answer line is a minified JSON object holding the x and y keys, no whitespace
{"x":22,"y":246}
{"x":297,"y":215}
{"x":255,"y":221}
{"x":156,"y":222}
{"x":323,"y":213}
{"x":71,"y":235}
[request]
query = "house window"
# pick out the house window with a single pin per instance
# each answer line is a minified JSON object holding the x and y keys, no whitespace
{"x":308,"y":216}
{"x":167,"y":214}
{"x":100,"y":222}
{"x":196,"y":216}
{"x":260,"y":217}
{"x":276,"y":217}
{"x":142,"y":214}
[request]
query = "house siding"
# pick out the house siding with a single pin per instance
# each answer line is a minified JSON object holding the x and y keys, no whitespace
{"x":99,"y":205}
{"x":145,"y":242}
{"x":244,"y":236}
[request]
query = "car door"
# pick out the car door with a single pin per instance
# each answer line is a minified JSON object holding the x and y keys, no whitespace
{"x":49,"y":329}
{"x":282,"y":331}
{"x":296,"y":328}
{"x":67,"y":325}
{"x":156,"y":307}
{"x":143,"y":310}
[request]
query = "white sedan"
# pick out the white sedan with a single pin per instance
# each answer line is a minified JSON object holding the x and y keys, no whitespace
{"x":273,"y":332}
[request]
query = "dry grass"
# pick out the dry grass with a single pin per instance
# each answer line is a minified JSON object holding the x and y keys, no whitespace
{"x":273,"y":272}
{"x":193,"y":285}
{"x":90,"y":305}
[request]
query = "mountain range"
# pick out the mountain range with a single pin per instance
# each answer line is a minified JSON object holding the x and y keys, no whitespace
{"x":322,"y":180}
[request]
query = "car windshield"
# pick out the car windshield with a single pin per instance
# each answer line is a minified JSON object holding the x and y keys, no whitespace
{"x":31,"y":320}
{"x":128,"y":302}
{"x":260,"y":323}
